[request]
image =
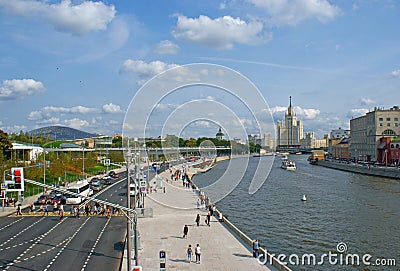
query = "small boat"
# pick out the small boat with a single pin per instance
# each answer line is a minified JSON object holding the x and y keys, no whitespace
{"x":288,"y":164}
{"x":304,"y":198}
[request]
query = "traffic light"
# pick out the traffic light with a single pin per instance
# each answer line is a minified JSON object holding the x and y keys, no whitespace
{"x":18,"y":178}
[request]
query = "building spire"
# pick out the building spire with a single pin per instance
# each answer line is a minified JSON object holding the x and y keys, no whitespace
{"x":290,"y":101}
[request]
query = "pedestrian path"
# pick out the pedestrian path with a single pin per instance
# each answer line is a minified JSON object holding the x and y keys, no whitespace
{"x":220,"y":250}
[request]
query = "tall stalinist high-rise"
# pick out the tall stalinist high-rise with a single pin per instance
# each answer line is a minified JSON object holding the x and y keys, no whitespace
{"x":291,"y":132}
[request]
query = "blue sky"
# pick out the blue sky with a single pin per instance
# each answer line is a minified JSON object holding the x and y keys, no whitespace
{"x":80,"y":63}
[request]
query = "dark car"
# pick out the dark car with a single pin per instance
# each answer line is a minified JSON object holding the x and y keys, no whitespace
{"x":116,"y":175}
{"x":111,"y":173}
{"x":59,"y":199}
{"x":44,"y":199}
{"x":106,"y":180}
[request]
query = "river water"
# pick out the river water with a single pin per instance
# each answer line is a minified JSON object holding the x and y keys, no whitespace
{"x":361,"y":211}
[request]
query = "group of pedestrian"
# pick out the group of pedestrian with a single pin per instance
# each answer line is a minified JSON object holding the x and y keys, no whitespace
{"x":9,"y":202}
{"x":189,"y":250}
{"x":197,"y":252}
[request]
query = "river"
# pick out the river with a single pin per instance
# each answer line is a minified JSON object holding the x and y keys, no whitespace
{"x":361,"y":211}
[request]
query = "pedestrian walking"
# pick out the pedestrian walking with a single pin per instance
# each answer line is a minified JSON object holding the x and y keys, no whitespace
{"x":197,"y":252}
{"x":55,"y":207}
{"x":31,"y":208}
{"x":19,"y":209}
{"x":189,"y":253}
{"x":76,"y":211}
{"x":208,"y":218}
{"x":108,"y":211}
{"x":185,"y":231}
{"x":46,"y":210}
{"x":61,"y":214}
{"x":198,"y":220}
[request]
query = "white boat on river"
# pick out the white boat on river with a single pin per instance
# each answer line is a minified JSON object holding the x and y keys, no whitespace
{"x":288,"y":164}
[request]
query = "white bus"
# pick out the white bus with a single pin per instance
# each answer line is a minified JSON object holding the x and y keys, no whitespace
{"x":80,"y":187}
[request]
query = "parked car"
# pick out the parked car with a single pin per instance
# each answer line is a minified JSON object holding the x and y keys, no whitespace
{"x":111,"y":173}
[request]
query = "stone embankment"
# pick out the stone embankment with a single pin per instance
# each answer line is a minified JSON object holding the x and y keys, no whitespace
{"x":389,"y":172}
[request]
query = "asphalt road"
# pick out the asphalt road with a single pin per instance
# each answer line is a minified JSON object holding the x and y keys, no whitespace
{"x":46,"y":243}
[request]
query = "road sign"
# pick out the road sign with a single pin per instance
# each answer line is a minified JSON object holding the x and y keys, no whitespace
{"x":143,"y":183}
{"x":137,"y":268}
{"x":3,"y":186}
{"x":163,"y":260}
{"x":144,"y":176}
{"x":107,"y":162}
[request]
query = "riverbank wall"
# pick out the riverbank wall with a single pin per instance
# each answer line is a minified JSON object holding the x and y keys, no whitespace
{"x":390,"y":172}
{"x":238,"y":234}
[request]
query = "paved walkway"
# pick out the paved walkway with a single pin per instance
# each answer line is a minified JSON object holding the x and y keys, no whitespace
{"x":164,"y":231}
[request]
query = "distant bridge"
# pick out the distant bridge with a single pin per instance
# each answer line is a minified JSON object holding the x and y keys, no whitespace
{"x":166,"y":150}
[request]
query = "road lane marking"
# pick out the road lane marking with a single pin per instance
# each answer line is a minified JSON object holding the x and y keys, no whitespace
{"x":21,"y":232}
{"x":6,"y":226}
{"x":37,"y":240}
{"x":94,"y":246}
{"x":66,"y":244}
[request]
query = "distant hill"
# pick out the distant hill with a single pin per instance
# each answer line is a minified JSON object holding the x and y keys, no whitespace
{"x":61,"y":133}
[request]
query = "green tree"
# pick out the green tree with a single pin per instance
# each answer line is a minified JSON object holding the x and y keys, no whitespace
{"x":191,"y":142}
{"x":117,"y":142}
{"x":5,"y":146}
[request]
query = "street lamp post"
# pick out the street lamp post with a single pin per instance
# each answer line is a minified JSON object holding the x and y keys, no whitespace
{"x":44,"y":167}
{"x":385,"y":157}
{"x":83,"y":162}
{"x":128,"y":157}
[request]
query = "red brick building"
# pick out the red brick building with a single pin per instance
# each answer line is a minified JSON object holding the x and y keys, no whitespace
{"x":389,"y":151}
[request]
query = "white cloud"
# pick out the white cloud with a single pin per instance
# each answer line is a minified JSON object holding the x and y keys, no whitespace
{"x":48,"y":112}
{"x":15,"y":128}
{"x":166,"y":47}
{"x":144,"y":70}
{"x":112,"y":109}
{"x":220,"y":33}
{"x":395,"y":73}
{"x":357,"y":112}
{"x":292,"y":12}
{"x":49,"y":121}
{"x":366,"y":101}
{"x":64,"y":16}
{"x":76,"y":123}
{"x":18,"y":88}
{"x":306,"y":113}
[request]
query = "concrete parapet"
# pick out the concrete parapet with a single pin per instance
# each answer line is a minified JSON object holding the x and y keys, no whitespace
{"x":393,"y":173}
{"x":271,"y":260}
